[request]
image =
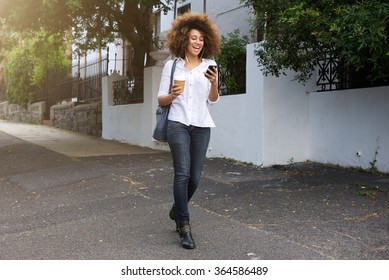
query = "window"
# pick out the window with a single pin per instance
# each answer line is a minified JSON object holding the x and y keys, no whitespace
{"x":183,"y":9}
{"x":157,"y":23}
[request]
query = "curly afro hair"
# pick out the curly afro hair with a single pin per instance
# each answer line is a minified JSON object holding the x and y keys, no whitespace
{"x":178,"y":35}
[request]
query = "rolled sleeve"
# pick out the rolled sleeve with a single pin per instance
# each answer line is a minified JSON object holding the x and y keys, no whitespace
{"x":213,"y":102}
{"x":165,"y":79}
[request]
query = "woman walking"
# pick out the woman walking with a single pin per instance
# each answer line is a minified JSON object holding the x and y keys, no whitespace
{"x":193,"y":39}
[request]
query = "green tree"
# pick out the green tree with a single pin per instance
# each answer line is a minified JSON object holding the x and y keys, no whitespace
{"x":94,"y":23}
{"x":47,"y":52}
{"x":18,"y":77}
{"x":294,"y":34}
{"x":8,"y":40}
{"x":28,"y":63}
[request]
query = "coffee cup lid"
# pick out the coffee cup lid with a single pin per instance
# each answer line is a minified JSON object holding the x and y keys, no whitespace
{"x":179,"y":77}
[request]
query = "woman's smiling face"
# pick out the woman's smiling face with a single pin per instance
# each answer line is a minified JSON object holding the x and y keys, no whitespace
{"x":195,"y":43}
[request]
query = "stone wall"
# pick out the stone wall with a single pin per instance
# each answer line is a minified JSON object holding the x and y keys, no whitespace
{"x":32,"y":114}
{"x":82,"y":118}
{"x":4,"y":109}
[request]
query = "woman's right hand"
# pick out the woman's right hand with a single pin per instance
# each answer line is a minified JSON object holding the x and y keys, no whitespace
{"x":166,"y":100}
{"x":176,"y":91}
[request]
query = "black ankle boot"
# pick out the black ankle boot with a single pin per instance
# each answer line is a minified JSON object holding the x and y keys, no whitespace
{"x":185,"y":234}
{"x":173,"y":216}
{"x":172,"y":213}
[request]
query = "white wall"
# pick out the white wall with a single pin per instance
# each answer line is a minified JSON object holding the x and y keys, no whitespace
{"x":276,"y":122}
{"x":229,"y":15}
{"x":131,"y":123}
{"x":286,"y":120}
{"x":239,"y":120}
{"x":267,"y":125}
{"x":350,"y":121}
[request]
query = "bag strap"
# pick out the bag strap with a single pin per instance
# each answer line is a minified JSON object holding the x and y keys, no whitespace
{"x":172,"y":74}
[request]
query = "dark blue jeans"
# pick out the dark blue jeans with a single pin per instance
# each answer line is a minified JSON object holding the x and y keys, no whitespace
{"x":188,"y":146}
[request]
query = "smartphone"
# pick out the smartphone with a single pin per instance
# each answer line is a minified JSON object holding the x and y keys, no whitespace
{"x":211,"y":67}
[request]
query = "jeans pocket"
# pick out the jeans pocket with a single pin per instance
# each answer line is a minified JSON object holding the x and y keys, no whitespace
{"x":173,"y":125}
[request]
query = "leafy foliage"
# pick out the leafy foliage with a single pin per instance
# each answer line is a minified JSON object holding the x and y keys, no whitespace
{"x":295,"y":34}
{"x":18,"y":77}
{"x":27,"y":65}
{"x":232,"y":62}
{"x":94,"y":23}
{"x":8,"y":40}
{"x":48,"y":51}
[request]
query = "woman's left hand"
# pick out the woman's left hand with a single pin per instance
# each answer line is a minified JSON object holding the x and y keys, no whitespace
{"x":211,"y":75}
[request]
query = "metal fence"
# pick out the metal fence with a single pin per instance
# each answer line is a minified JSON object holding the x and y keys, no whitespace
{"x":128,"y":91}
{"x":329,"y":76}
{"x":85,"y":82}
{"x":66,"y":89}
{"x":334,"y":75}
{"x":232,"y":81}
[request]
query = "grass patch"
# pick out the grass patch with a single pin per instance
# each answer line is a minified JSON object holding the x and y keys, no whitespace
{"x":369,"y":191}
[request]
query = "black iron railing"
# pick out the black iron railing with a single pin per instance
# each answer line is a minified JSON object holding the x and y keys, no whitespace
{"x":333,"y":74}
{"x":232,"y":80}
{"x":128,"y":91}
{"x":84,"y":83}
{"x":330,"y":76}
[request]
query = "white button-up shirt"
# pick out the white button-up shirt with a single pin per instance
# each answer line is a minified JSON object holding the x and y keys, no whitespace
{"x":192,"y":106}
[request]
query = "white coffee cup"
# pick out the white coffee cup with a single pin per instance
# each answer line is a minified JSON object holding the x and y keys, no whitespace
{"x":180,"y":80}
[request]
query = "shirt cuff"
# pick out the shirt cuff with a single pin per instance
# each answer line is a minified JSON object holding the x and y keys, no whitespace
{"x":213,"y":102}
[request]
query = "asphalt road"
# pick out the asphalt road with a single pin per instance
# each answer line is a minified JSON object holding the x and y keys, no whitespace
{"x":68,"y":196}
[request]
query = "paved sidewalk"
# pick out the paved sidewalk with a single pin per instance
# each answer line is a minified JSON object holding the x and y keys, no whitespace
{"x":69,"y":143}
{"x":68,"y":196}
